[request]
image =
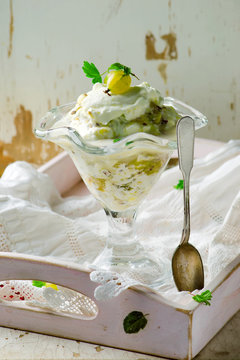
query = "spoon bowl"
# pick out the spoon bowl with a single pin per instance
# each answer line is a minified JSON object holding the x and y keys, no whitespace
{"x":187,"y":268}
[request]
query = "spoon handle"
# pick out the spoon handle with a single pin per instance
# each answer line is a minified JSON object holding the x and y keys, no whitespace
{"x":185,"y":140}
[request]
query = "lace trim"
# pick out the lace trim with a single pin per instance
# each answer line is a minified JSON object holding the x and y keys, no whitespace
{"x":4,"y":240}
{"x":73,"y":241}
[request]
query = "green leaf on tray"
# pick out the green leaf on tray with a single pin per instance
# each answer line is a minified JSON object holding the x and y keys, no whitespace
{"x":116,"y":140}
{"x":92,"y":72}
{"x":204,"y":297}
{"x":134,"y":322}
{"x":179,"y":185}
{"x":38,"y":283}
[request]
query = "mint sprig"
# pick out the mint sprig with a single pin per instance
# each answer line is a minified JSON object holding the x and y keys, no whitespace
{"x":92,"y":72}
{"x":204,"y":297}
{"x":179,"y":185}
{"x":118,"y":66}
{"x":127,"y":70}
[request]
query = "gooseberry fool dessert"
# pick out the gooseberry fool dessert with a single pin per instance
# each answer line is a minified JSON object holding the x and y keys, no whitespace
{"x":120,"y":139}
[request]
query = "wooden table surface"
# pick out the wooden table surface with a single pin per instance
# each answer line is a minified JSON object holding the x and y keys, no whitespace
{"x":22,"y":345}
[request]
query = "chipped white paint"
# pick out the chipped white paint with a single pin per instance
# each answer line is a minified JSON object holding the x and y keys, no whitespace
{"x":50,"y":40}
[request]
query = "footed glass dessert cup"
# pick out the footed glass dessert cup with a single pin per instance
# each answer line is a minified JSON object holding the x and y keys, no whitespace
{"x":119,"y":174}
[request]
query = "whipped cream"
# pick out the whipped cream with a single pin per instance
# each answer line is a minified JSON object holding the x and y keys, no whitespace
{"x":103,"y":108}
{"x":96,"y":108}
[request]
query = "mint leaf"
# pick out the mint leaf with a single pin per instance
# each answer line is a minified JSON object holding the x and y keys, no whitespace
{"x":92,"y":72}
{"x":179,"y":185}
{"x":38,"y":283}
{"x":204,"y":297}
{"x":118,"y":66}
{"x":116,"y":140}
{"x":128,"y":143}
{"x":134,"y":322}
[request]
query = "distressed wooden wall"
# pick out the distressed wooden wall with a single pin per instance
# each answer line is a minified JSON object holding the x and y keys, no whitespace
{"x":189,"y":49}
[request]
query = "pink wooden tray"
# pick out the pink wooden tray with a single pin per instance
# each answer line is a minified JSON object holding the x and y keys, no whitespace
{"x":173,"y":332}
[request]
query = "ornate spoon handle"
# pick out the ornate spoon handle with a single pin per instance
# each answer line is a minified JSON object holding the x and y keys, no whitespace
{"x":185,"y":140}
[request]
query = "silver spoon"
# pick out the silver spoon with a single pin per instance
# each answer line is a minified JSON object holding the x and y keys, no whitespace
{"x":187,"y":264}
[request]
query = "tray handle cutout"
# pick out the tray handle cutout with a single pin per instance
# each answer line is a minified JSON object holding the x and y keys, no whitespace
{"x":48,"y":297}
{"x":65,"y":290}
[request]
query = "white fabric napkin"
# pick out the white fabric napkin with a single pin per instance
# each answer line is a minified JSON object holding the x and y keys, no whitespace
{"x":35,"y":219}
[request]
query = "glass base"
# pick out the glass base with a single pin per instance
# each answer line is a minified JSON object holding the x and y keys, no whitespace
{"x":137,"y":265}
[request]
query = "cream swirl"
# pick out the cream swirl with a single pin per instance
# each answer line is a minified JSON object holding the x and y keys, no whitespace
{"x":102,"y":108}
{"x":96,"y":109}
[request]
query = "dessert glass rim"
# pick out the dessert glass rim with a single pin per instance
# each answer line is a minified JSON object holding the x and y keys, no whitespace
{"x":45,"y":131}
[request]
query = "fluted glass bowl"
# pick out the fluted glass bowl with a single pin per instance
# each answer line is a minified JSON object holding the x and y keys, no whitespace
{"x":120,"y":175}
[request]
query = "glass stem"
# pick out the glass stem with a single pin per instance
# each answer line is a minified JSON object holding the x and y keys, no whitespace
{"x":121,"y":232}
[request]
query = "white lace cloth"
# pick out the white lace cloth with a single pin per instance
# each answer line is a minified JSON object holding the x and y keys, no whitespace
{"x":34,"y":219}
